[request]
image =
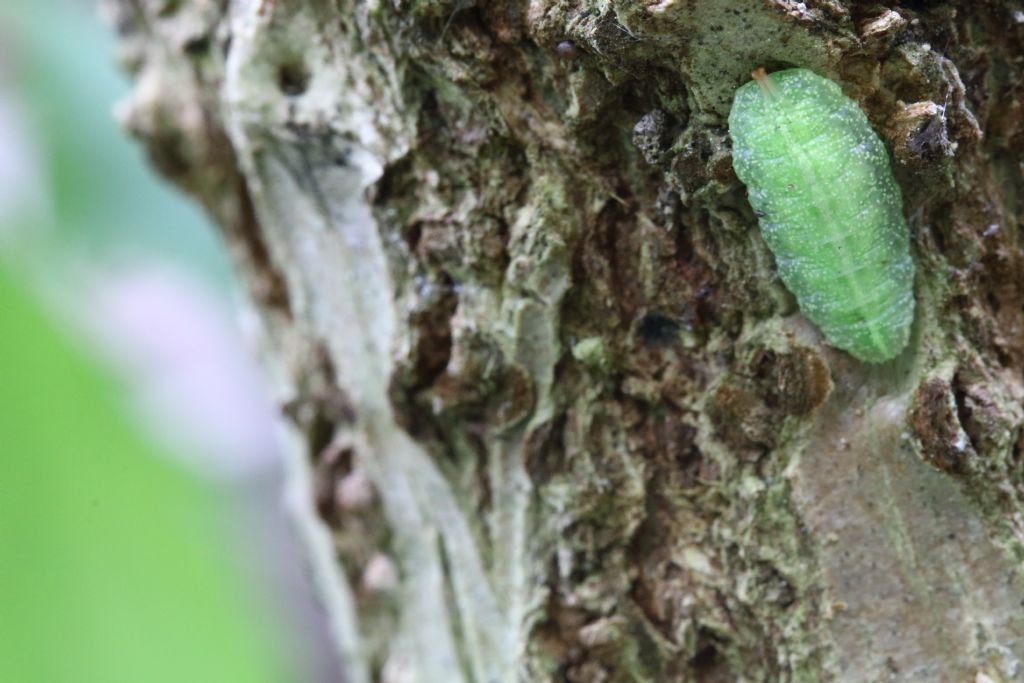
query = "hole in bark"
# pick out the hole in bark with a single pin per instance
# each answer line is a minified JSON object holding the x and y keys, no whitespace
{"x":658,"y":330}
{"x":464,"y":12}
{"x":292,"y":78}
{"x":963,"y":411}
{"x":915,"y":5}
{"x":709,"y":666}
{"x":197,"y":46}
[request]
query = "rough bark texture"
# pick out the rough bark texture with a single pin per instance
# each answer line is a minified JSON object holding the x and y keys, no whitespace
{"x":558,"y":414}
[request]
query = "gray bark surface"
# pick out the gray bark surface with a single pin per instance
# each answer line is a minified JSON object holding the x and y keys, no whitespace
{"x":554,"y":417}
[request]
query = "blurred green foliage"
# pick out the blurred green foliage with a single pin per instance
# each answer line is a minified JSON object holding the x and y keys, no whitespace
{"x":111,"y":564}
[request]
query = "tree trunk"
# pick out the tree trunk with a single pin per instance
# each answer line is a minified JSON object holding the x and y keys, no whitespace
{"x":558,"y":419}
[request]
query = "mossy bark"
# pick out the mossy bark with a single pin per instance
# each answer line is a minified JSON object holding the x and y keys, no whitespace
{"x":554,"y":417}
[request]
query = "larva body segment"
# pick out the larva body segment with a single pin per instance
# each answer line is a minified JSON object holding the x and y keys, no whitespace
{"x":819,"y":178}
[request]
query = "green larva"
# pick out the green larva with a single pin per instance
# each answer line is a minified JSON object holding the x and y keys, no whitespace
{"x":819,"y":179}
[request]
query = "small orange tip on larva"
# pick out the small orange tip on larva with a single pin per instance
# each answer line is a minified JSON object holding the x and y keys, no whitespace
{"x":763,"y":82}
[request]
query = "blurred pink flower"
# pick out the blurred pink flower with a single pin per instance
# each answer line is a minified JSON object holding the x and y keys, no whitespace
{"x":178,"y":345}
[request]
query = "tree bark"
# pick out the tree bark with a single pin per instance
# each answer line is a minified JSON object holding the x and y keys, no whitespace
{"x":556,"y":415}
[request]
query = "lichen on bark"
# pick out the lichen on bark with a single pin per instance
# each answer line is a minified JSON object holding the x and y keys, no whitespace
{"x":554,"y":417}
